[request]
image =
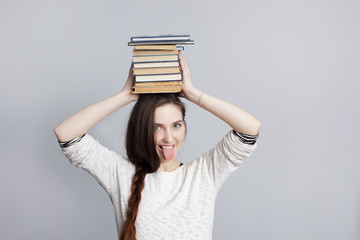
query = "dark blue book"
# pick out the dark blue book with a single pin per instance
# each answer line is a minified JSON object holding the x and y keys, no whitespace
{"x":188,"y":42}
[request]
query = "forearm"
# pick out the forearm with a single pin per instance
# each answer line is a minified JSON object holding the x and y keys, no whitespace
{"x":80,"y":122}
{"x":240,"y":120}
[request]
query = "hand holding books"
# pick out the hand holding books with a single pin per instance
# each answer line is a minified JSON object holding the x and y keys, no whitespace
{"x":188,"y":90}
{"x":187,"y":79}
{"x":127,"y":88}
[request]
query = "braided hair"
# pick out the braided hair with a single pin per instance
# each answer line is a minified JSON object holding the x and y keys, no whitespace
{"x":141,"y":151}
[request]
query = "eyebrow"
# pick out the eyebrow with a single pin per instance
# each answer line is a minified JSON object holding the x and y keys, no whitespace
{"x":178,"y":121}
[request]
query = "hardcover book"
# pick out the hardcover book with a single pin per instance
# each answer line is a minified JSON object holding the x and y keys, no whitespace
{"x":157,"y":89}
{"x":156,"y":47}
{"x":189,"y":42}
{"x":155,"y":58}
{"x":151,"y":71}
{"x":156,"y":64}
{"x":158,"y":78}
{"x":168,"y":37}
{"x":153,"y":52}
{"x":157,"y":84}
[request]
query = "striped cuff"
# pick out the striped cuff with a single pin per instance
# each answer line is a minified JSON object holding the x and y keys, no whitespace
{"x":71,"y":142}
{"x":246,"y":138}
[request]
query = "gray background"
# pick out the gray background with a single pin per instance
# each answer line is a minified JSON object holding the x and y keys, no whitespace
{"x":293,"y":64}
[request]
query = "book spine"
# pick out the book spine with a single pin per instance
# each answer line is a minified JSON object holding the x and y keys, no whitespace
{"x":165,"y":89}
{"x":154,"y":71}
{"x":191,"y":42}
{"x":157,"y":58}
{"x":161,"y":38}
{"x":156,"y":64}
{"x":153,"y":52}
{"x":159,"y":78}
{"x":156,"y":47}
{"x":154,"y":84}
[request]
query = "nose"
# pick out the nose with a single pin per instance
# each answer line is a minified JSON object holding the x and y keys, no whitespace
{"x":168,"y":137}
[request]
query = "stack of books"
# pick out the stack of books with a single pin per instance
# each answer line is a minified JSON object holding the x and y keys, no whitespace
{"x":156,"y":63}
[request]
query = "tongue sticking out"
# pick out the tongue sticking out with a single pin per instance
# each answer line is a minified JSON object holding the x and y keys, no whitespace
{"x":168,"y":153}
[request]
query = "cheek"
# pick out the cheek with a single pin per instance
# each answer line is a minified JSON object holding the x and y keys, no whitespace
{"x":157,"y":137}
{"x":180,"y":135}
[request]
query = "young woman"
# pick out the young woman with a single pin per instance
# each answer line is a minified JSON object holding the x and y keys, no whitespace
{"x":153,"y":194}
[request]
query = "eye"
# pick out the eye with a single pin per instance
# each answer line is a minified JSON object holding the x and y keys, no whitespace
{"x":177,"y":125}
{"x":156,"y":128}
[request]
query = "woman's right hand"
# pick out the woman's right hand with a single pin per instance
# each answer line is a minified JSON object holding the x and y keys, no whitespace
{"x":127,"y":89}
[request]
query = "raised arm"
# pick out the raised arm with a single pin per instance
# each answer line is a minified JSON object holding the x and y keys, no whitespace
{"x":240,"y":120}
{"x":80,"y":122}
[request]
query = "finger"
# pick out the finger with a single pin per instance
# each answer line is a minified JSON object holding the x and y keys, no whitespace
{"x":131,"y":71}
{"x":182,"y":59}
{"x":183,"y":62}
{"x":131,"y":67}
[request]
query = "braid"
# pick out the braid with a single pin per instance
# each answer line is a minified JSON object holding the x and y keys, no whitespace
{"x":128,"y":231}
{"x":141,"y":151}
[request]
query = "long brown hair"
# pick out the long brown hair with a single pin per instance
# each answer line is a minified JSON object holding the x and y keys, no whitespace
{"x":141,"y":151}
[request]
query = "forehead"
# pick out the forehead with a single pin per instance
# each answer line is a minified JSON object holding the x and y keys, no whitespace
{"x":167,"y":113}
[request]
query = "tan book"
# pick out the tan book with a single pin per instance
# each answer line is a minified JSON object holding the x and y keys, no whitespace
{"x":149,"y":71}
{"x":150,"y":52}
{"x":157,"y":78}
{"x":157,"y":89}
{"x":156,"y":64}
{"x":157,"y":84}
{"x":159,"y":58}
{"x":157,"y":47}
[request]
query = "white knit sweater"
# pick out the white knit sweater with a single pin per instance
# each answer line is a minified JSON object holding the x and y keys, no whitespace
{"x":175,"y":205}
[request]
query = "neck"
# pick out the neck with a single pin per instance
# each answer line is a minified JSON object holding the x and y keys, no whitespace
{"x":168,"y":166}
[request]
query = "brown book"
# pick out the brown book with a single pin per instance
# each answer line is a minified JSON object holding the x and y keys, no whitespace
{"x":149,"y":71}
{"x":158,"y":78}
{"x":157,"y":89}
{"x":150,"y":52}
{"x":156,"y":64}
{"x":157,"y":84}
{"x":157,"y":47}
{"x":153,"y":58}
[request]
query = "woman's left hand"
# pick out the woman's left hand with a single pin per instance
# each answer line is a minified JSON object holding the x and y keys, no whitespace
{"x":188,"y":89}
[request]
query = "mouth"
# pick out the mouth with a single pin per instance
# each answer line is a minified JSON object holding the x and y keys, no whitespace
{"x":166,"y":146}
{"x":168,"y":151}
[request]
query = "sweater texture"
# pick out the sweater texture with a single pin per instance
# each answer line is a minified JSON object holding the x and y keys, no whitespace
{"x":174,"y":205}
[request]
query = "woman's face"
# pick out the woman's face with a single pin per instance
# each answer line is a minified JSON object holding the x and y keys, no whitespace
{"x":169,"y":131}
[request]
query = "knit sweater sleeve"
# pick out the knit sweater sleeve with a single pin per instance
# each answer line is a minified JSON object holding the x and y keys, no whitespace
{"x":225,"y":158}
{"x":103,"y":164}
